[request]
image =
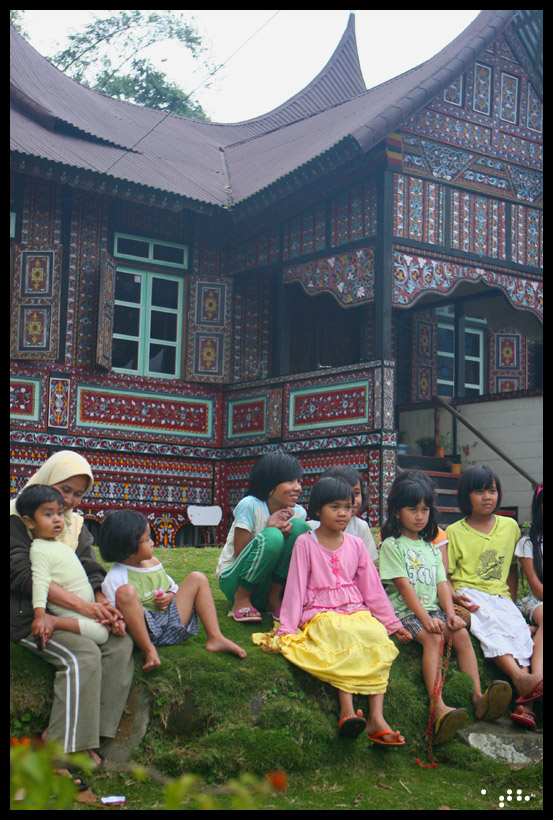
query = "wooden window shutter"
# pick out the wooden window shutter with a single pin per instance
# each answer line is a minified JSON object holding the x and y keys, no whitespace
{"x":35,"y":310}
{"x":106,"y":298}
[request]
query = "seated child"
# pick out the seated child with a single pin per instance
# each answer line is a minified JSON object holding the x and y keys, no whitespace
{"x":336,"y":617}
{"x":41,"y":510}
{"x":357,"y":526}
{"x":484,"y":575}
{"x":156,"y":610}
{"x":529,"y":551}
{"x":421,"y":598}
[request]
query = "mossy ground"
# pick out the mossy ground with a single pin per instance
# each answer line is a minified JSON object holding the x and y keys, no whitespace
{"x":218,"y":716}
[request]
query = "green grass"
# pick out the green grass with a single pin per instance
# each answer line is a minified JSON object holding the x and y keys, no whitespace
{"x":218,"y":717}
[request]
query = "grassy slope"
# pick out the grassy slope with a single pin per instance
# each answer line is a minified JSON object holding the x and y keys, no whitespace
{"x":219,"y":716}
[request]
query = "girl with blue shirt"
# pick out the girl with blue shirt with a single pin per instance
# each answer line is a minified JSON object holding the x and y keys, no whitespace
{"x":254,"y":562}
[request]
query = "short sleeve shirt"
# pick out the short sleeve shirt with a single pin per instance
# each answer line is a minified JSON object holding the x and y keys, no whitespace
{"x":146,"y":580}
{"x":418,"y":561}
{"x":482,"y":560}
{"x":250,"y":514}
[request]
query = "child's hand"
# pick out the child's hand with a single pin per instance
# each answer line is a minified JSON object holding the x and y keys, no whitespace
{"x":462,"y":600}
{"x":403,"y":635}
{"x":281,"y":520}
{"x":455,"y":623}
{"x":433,"y":625}
{"x":42,"y":626}
{"x":162,"y":601}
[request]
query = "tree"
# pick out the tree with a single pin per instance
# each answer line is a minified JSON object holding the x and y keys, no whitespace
{"x":104,"y":56}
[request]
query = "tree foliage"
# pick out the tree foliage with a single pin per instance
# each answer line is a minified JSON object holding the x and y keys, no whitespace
{"x":110,"y":55}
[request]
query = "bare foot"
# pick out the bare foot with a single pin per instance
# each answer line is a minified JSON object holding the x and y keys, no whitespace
{"x":478,"y":706}
{"x":151,"y":660}
{"x":525,"y":683}
{"x":222,"y":644}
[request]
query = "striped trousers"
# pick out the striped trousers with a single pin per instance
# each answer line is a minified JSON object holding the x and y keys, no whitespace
{"x":91,"y":687}
{"x":262,"y":562}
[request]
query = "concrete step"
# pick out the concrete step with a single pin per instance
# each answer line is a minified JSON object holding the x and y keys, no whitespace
{"x":504,"y":740}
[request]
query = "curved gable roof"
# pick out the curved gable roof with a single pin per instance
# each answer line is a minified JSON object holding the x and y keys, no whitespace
{"x":57,"y":119}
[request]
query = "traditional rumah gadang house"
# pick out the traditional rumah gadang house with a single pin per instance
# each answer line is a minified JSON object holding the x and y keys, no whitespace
{"x":187,"y":295}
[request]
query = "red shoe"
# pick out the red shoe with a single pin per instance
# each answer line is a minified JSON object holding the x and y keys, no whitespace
{"x":524,"y":717}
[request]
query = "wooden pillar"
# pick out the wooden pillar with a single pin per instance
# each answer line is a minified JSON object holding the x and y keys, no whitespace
{"x":459,"y":347}
{"x":383,"y":284}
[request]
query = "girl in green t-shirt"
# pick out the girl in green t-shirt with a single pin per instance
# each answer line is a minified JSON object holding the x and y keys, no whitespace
{"x":422,"y":600}
{"x":157,"y":611}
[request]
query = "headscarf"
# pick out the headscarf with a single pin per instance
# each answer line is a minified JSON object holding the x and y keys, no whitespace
{"x":56,"y":469}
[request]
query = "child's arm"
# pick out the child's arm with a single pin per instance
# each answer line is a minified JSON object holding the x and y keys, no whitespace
{"x":413,"y":602}
{"x":44,"y":624}
{"x":454,"y":622}
{"x":512,"y":581}
{"x":534,"y":582}
{"x":294,"y":591}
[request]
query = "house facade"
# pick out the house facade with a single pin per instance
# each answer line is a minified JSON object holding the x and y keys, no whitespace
{"x":187,"y":296}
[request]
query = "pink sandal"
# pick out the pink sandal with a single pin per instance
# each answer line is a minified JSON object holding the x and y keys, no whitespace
{"x":246,"y":614}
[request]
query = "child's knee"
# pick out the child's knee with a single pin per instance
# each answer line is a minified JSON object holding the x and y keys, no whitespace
{"x":273,"y":540}
{"x":199,"y":579}
{"x":125,"y":594}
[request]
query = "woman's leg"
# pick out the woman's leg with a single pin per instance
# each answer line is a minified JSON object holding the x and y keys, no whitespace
{"x":75,"y":715}
{"x":248,"y":580}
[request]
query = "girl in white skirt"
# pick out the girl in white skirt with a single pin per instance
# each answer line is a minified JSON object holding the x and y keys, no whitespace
{"x":483,"y":572}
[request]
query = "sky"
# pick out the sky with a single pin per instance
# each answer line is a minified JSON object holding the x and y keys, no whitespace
{"x":271,"y":55}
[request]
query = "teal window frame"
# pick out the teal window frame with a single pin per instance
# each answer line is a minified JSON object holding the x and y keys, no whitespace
{"x":450,"y":354}
{"x":150,"y":256}
{"x":146,"y":308}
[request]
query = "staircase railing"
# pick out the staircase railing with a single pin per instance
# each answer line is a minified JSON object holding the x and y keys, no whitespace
{"x":440,"y":402}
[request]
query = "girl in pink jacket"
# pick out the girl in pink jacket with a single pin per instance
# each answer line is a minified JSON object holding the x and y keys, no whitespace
{"x":336,"y":617}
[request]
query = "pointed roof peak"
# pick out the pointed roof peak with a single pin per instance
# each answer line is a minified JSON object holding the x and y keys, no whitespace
{"x":339,"y":80}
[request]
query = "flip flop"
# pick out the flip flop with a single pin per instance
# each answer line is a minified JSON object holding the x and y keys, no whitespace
{"x":351,"y":726}
{"x":246,"y":614}
{"x":496,"y":699}
{"x":447,"y":726}
{"x":524,"y":717}
{"x":396,"y":742}
{"x":81,"y":784}
{"x":535,"y":694}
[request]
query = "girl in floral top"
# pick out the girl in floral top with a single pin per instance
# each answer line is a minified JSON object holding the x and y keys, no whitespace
{"x":422,"y":600}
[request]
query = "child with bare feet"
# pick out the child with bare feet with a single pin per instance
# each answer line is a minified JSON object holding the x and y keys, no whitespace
{"x":156,"y":610}
{"x":421,"y":597}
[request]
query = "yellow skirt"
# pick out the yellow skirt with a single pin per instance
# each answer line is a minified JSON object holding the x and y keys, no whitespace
{"x":351,"y":652}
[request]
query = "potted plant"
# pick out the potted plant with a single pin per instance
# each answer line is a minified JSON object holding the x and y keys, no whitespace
{"x":426,"y":444}
{"x":427,"y":447}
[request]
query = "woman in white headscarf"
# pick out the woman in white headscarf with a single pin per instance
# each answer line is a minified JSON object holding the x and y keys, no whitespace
{"x":92,"y":682}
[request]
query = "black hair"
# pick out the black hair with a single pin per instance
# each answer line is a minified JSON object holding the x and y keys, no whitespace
{"x":536,"y":531}
{"x":32,"y":497}
{"x":480,"y":477}
{"x":325,"y":491}
{"x":350,"y":475}
{"x":271,"y":470}
{"x":120,"y":534}
{"x":408,"y":491}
